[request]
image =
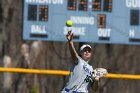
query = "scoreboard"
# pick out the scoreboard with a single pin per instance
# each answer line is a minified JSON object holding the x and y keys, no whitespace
{"x":98,"y":21}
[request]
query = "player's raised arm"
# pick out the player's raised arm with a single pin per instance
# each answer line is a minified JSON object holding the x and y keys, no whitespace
{"x":73,"y":52}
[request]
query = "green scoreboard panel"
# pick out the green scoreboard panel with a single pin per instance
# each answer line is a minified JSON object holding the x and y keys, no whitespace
{"x":98,"y":21}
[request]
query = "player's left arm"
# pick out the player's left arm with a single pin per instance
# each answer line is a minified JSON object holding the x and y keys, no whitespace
{"x":95,"y":84}
{"x":96,"y":75}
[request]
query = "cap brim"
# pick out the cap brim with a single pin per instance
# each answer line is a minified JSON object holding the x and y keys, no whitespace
{"x":85,"y":46}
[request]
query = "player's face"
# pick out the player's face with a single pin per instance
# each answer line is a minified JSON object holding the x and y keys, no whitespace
{"x":86,"y":53}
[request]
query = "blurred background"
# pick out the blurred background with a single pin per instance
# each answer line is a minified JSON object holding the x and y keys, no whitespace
{"x":18,"y":53}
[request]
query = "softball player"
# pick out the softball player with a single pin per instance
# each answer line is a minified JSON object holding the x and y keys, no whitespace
{"x":80,"y":78}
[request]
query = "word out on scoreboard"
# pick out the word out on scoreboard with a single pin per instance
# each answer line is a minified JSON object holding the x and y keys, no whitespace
{"x":97,"y":21}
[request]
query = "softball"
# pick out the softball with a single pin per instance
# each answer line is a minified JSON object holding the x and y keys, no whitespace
{"x":68,"y":23}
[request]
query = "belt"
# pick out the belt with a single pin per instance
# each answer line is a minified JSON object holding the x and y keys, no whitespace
{"x":67,"y":90}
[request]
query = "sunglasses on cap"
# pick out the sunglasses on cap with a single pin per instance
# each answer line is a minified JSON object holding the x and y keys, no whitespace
{"x":87,"y":49}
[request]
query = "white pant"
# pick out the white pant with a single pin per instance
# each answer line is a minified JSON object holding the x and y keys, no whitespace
{"x":64,"y":92}
{"x":69,"y":92}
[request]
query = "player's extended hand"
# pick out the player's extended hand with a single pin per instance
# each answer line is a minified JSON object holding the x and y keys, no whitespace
{"x":69,"y":35}
{"x":99,"y":72}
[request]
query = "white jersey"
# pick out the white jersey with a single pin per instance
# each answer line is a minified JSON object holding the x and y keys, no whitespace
{"x":80,"y":76}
